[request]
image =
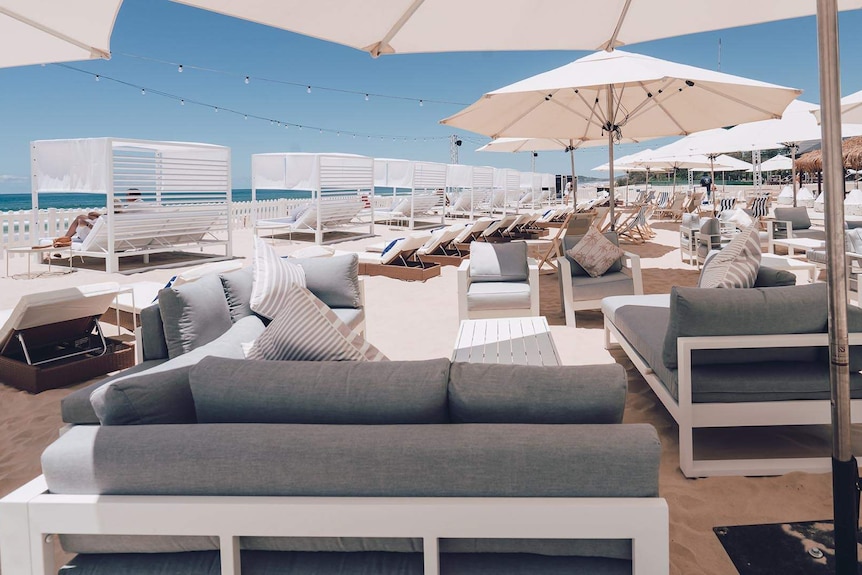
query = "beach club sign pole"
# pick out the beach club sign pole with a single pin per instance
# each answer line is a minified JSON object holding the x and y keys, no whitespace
{"x":844,"y":468}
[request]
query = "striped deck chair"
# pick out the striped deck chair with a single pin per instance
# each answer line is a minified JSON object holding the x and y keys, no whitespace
{"x":663,"y":199}
{"x":759,"y":206}
{"x":726,"y":204}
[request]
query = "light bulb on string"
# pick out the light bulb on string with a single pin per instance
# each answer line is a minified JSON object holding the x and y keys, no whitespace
{"x":97,"y":78}
{"x":245,"y":116}
{"x":182,"y":102}
{"x":180,"y":68}
{"x":338,"y":134}
{"x":421,"y":103}
{"x":215,"y":108}
{"x":286,"y":125}
{"x":321,"y":131}
{"x":247,"y":79}
{"x":366,"y":97}
{"x":308,"y":89}
{"x":143,"y":92}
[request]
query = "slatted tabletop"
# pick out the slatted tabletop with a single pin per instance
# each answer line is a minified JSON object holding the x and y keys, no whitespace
{"x":511,"y":340}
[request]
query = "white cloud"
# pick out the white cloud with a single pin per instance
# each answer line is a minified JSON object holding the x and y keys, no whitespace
{"x":10,"y":178}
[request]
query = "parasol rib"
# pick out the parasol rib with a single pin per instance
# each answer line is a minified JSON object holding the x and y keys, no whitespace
{"x":612,"y":41}
{"x":56,"y":34}
{"x":383,"y":46}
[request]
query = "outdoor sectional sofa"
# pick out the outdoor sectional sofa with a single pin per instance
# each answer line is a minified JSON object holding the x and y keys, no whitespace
{"x":199,"y":461}
{"x":736,"y":358}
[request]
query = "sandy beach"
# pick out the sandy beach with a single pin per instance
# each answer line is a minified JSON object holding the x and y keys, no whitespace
{"x":419,"y":321}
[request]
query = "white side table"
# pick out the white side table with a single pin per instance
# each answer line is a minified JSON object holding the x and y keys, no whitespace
{"x":41,"y":250}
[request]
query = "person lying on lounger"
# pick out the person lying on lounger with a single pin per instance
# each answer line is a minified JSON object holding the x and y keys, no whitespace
{"x":83,"y":223}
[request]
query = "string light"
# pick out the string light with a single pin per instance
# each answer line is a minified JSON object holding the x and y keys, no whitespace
{"x":180,"y":68}
{"x":308,"y":87}
{"x":366,"y":97}
{"x":216,"y":109}
{"x":421,"y":103}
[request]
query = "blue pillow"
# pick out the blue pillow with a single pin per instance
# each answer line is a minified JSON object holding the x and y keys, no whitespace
{"x":391,"y":245}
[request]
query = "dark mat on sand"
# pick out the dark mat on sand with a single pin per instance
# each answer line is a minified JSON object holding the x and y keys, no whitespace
{"x":781,"y":548}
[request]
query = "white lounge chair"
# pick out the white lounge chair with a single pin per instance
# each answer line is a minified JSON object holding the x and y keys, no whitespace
{"x":399,"y":261}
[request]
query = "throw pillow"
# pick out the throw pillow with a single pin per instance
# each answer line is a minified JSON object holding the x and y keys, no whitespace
{"x":148,"y":399}
{"x":503,"y":262}
{"x":334,"y":280}
{"x":273,"y":277}
{"x":595,"y":253}
{"x":307,"y":330}
{"x":193,"y":314}
{"x":736,"y":265}
{"x":738,"y":218}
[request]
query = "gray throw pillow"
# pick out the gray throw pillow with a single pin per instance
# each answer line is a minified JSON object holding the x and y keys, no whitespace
{"x":492,"y":262}
{"x":237,"y":291}
{"x":163,"y":397}
{"x":333,"y":280}
{"x":193,"y":314}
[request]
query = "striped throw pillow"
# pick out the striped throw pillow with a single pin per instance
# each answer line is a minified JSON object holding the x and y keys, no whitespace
{"x":735,"y":266}
{"x":273,"y":276}
{"x":307,"y":330}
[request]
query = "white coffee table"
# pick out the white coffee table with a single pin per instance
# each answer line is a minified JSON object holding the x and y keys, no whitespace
{"x":801,"y":244}
{"x":511,"y":340}
{"x":790,"y":264}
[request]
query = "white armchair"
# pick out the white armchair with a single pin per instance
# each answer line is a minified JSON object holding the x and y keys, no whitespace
{"x":498,"y":281}
{"x":579,"y":291}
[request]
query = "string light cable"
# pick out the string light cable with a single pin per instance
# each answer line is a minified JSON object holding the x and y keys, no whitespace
{"x":248,"y":78}
{"x":246,"y":115}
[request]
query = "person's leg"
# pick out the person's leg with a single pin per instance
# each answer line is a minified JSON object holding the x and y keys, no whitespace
{"x":78,"y":221}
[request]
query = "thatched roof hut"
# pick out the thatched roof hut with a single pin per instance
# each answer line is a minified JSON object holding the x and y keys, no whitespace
{"x":851,"y":149}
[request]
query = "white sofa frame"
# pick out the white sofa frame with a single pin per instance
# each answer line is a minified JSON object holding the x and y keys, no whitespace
{"x":631,"y":261}
{"x":464,"y":286}
{"x":690,"y":416}
{"x":31,"y":515}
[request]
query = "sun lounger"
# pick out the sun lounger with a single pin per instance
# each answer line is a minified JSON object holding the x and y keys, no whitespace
{"x":399,"y":261}
{"x":497,"y":227}
{"x":52,"y":339}
{"x":441,"y":248}
{"x":333,"y":212}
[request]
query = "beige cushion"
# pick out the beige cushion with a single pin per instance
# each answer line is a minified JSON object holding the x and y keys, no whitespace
{"x":736,"y":265}
{"x":307,"y":330}
{"x":595,"y":253}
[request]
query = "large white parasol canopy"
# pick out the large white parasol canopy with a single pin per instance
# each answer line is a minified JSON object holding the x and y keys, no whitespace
{"x":46,"y":31}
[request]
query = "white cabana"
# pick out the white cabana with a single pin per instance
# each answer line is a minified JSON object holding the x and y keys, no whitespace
{"x":507,"y":189}
{"x":853,"y":203}
{"x":181,"y":199}
{"x":425,"y":180}
{"x":469,"y":187}
{"x":340,"y":186}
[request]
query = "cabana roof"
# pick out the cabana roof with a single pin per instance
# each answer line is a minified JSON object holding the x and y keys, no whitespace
{"x":851,"y":149}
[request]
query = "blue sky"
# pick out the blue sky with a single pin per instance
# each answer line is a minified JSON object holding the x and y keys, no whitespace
{"x":49,"y":102}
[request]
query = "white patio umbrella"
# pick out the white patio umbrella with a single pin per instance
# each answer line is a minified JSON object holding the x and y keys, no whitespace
{"x":405,"y":26}
{"x":545,"y":144}
{"x":46,"y":31}
{"x":611,"y":95}
{"x":851,"y":109}
{"x":774,"y":163}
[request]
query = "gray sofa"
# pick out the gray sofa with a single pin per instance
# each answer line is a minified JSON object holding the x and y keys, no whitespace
{"x":792,"y":223}
{"x":352,"y":467}
{"x":211,"y":316}
{"x":735,"y":358}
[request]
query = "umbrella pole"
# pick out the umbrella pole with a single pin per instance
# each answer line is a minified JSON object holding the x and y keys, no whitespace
{"x":793,"y":149}
{"x":611,"y":153}
{"x":574,"y":179}
{"x":844,"y":468}
{"x":709,"y":191}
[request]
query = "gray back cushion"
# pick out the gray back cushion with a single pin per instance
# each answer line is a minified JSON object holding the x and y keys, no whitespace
{"x":334,"y":280}
{"x":754,"y":311}
{"x":798,"y":217}
{"x":337,"y":392}
{"x":193,"y":314}
{"x":153,"y":333}
{"x":690,"y":221}
{"x":237,"y":291}
{"x":710,"y":226}
{"x":148,"y":398}
{"x":496,"y":393}
{"x":571,"y":241}
{"x":498,"y":262}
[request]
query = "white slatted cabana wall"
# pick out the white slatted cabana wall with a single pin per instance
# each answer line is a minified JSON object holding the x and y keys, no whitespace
{"x":507,"y":189}
{"x":183,"y":194}
{"x":341,"y":185}
{"x":429,"y":185}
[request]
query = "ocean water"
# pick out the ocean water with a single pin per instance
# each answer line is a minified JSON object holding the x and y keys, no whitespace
{"x":15,"y":202}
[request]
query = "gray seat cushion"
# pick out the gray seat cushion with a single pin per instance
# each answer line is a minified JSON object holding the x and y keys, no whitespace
{"x":585,"y":288}
{"x":816,"y":256}
{"x":498,"y":295}
{"x":811,"y":234}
